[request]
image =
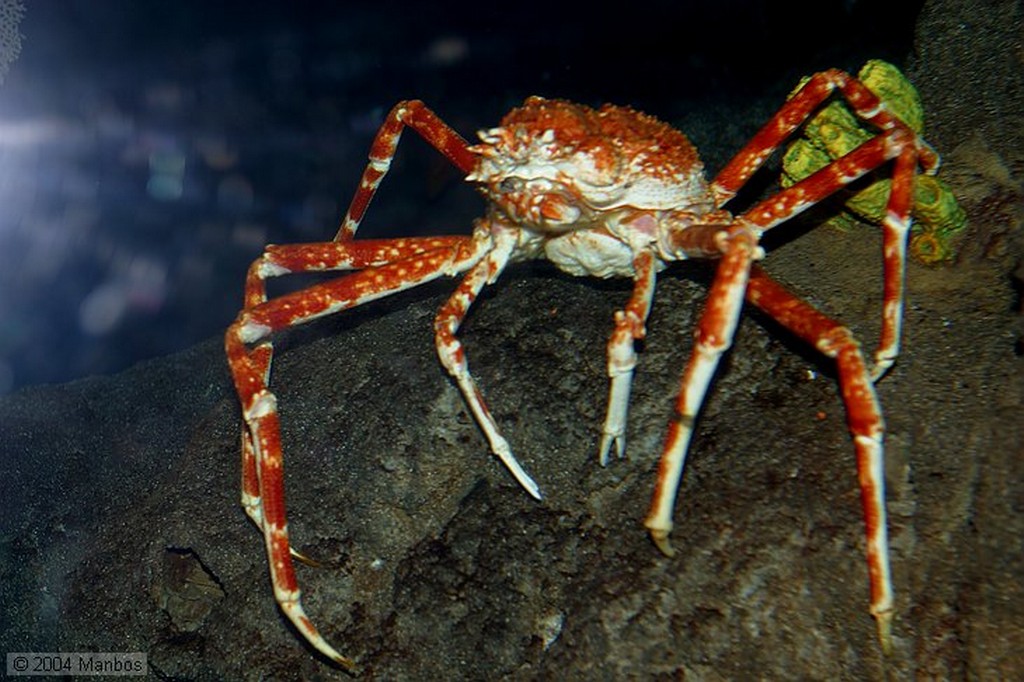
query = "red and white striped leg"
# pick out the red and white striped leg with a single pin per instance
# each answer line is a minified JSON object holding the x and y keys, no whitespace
{"x":312,"y":257}
{"x":629,"y":328}
{"x":453,"y":355}
{"x":263,"y":476}
{"x":863,"y":416}
{"x":896,"y":141}
{"x":317,"y":257}
{"x":413,"y":114}
{"x":895,"y":233}
{"x":795,"y":112}
{"x":896,"y":144}
{"x":714,"y":335}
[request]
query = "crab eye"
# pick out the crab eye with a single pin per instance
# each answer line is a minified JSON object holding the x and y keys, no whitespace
{"x":508,"y":185}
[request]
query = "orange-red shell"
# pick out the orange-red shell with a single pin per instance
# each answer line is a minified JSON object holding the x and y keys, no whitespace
{"x":607,"y":158}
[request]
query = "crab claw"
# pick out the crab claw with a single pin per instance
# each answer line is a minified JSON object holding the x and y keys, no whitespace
{"x":557,"y":210}
{"x":607,"y":441}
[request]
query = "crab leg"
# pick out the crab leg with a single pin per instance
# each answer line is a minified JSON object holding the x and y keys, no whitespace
{"x":453,"y":355}
{"x":714,"y":334}
{"x":795,"y":112}
{"x":316,"y":257}
{"x":766,"y":215}
{"x":629,"y":327}
{"x":413,"y":114}
{"x":835,"y":341}
{"x":896,"y":141}
{"x":863,"y":416}
{"x":259,"y":405}
{"x":328,"y":256}
{"x":715,"y":331}
{"x":895,"y":227}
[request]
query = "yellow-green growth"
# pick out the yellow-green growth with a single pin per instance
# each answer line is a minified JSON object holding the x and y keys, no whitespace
{"x":835,"y":131}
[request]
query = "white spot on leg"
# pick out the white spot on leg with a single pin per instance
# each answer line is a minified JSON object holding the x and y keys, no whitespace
{"x":253,"y":508}
{"x":251,"y":332}
{"x":896,"y":220}
{"x":270,"y":269}
{"x":872,"y":111}
{"x":286,"y":597}
{"x":264,"y":404}
{"x":381,"y":165}
{"x":826,"y":346}
{"x":893,"y":309}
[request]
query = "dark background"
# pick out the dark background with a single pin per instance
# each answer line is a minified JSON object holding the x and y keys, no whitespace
{"x":149,"y":150}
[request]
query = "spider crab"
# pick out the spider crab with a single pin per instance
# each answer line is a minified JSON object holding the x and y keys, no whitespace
{"x":605,"y":192}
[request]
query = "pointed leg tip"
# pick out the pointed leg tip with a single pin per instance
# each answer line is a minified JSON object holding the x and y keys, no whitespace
{"x":292,"y":608}
{"x":347,"y":663}
{"x":528,"y":484}
{"x":884,"y":622}
{"x":524,"y":479}
{"x":603,"y":449}
{"x":660,"y":539}
{"x":881,"y":368}
{"x":303,"y":559}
